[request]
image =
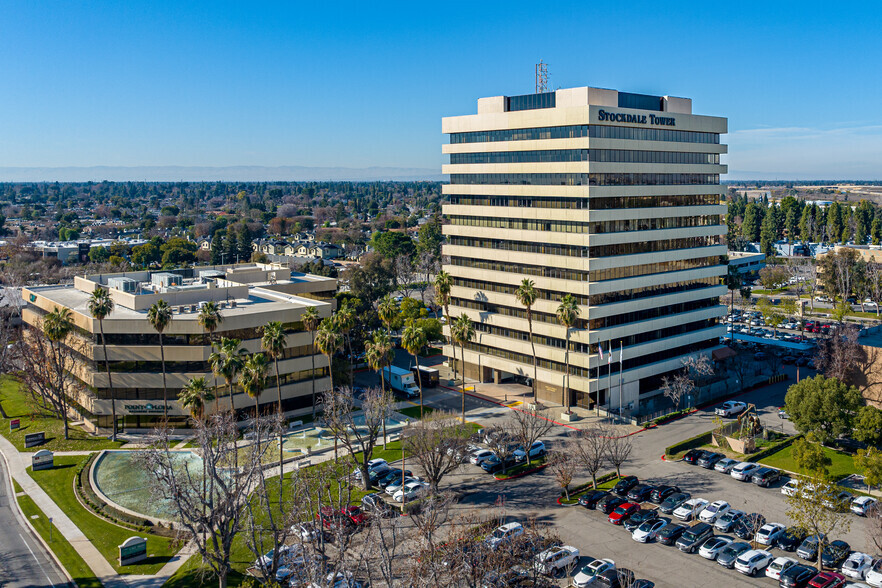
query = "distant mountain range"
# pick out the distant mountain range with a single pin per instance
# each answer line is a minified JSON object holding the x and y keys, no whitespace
{"x":240,"y":173}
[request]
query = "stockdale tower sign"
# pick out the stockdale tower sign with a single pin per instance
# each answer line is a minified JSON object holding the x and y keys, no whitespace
{"x":641,"y":119}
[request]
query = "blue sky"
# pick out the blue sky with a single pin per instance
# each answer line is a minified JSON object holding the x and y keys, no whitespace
{"x":366,"y":84}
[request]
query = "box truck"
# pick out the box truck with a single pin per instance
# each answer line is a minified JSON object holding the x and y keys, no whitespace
{"x":427,"y":375}
{"x":401,"y":380}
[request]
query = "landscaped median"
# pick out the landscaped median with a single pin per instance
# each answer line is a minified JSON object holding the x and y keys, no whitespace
{"x":524,"y":469}
{"x":677,"y":450}
{"x":604,"y":482}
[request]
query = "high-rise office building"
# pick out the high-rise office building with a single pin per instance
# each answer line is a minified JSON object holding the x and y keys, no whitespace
{"x":609,"y":196}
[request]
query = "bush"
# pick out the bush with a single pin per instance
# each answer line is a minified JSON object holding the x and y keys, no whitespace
{"x":688,"y":444}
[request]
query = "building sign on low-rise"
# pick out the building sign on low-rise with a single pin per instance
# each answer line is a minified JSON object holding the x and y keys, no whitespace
{"x":42,"y":460}
{"x":34,"y":439}
{"x":133,"y":550}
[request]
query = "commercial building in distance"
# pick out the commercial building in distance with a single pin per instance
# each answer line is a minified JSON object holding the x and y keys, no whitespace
{"x":609,"y":196}
{"x":249,"y":295}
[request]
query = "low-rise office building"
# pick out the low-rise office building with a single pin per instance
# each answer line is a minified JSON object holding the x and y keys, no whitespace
{"x":249,"y":295}
{"x":748,"y":263}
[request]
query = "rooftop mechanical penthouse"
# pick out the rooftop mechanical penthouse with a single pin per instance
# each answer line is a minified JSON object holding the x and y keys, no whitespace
{"x":609,"y":196}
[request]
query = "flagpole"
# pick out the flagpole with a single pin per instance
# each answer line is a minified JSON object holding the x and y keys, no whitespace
{"x":621,"y":369}
{"x":609,"y":375}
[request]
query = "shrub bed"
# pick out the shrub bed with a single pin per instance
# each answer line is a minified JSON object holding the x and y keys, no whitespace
{"x":576,"y":490}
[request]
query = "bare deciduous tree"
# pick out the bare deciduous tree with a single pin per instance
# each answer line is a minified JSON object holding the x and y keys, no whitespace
{"x":563,"y":465}
{"x":437,"y":443}
{"x":618,"y":451}
{"x":590,"y":449}
{"x":841,"y":353}
{"x":359,"y":438}
{"x":528,"y":427}
{"x":874,"y":284}
{"x":818,"y":510}
{"x":500,"y":439}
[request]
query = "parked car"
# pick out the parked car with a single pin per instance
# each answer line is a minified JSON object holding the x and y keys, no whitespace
{"x":728,"y":520}
{"x":690,"y":509}
{"x":410,"y":491}
{"x":640,"y":493}
{"x":648,"y":530}
{"x":616,"y":578}
{"x":672,"y":502}
{"x":555,"y":560}
{"x":640,"y":517}
{"x":874,"y":574}
{"x":709,"y":460}
{"x":691,"y":538}
{"x":392,"y":477}
{"x":395,"y":486}
{"x":731,"y":552}
{"x":375,"y":505}
{"x":792,"y":538}
{"x":778,"y":566}
{"x":712,"y":547}
{"x":479,"y":456}
{"x":624,"y":485}
{"x":797,"y":576}
{"x":725,"y":465}
{"x":765,"y":477}
{"x":713,"y":510}
{"x":751,"y":562}
{"x":354,"y":515}
{"x":808,"y":549}
{"x":332,"y":519}
{"x":790,"y":488}
{"x":693,"y":455}
{"x":769,"y":533}
{"x":840,"y":502}
{"x":743,"y":471}
{"x":593,"y":568}
{"x":834,"y":553}
{"x":591,"y":498}
{"x":285,"y":552}
{"x":747,"y":526}
{"x":660,"y":493}
{"x":609,"y":503}
{"x":504,"y":534}
{"x":670,"y":533}
{"x":863,"y":505}
{"x":730,"y":408}
{"x":827,"y":580}
{"x":537,"y":449}
{"x":622,"y":512}
{"x":857,"y":565}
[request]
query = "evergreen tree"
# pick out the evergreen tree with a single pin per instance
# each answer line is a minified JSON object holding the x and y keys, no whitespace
{"x":244,"y":243}
{"x":231,"y":247}
{"x":768,"y":234}
{"x":753,"y":218}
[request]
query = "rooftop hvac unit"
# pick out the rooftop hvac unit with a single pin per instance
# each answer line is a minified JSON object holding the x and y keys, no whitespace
{"x":165,"y":279}
{"x":232,"y":304}
{"x":192,"y":308}
{"x":222,"y":305}
{"x":124,"y":284}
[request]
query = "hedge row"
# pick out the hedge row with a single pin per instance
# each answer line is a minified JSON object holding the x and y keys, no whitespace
{"x":582,"y":487}
{"x":692,"y":443}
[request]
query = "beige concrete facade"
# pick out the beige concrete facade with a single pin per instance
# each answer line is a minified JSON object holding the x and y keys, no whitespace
{"x":630,"y":223}
{"x":250,"y":295}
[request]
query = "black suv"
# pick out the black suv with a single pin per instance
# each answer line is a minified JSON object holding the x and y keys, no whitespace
{"x":673,"y":502}
{"x":693,"y":455}
{"x":609,"y":503}
{"x":797,"y":576}
{"x":709,"y":460}
{"x":748,"y":525}
{"x":638,"y":518}
{"x":624,"y":485}
{"x":393,"y":476}
{"x":640,"y":493}
{"x":591,"y":498}
{"x":765,"y":477}
{"x":659,"y":493}
{"x":670,"y":533}
{"x":692,"y":537}
{"x":835,"y":553}
{"x":792,"y":538}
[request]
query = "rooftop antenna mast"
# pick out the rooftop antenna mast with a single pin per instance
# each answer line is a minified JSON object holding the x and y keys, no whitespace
{"x":541,"y":77}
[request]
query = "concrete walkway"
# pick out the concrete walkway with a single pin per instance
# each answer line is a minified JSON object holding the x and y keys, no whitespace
{"x":18,"y":464}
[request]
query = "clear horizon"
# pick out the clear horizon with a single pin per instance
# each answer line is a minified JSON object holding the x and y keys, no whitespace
{"x":352,"y":86}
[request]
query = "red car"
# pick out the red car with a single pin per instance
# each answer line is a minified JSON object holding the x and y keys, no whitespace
{"x":827,"y":580}
{"x":618,"y":516}
{"x":333,"y":520}
{"x":354,"y":515}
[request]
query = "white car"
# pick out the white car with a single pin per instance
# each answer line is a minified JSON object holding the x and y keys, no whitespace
{"x":713,"y":511}
{"x":712,"y":547}
{"x":730,"y":408}
{"x":410,"y":491}
{"x":725,"y":465}
{"x":862,"y":505}
{"x":743,"y":471}
{"x":647,"y":531}
{"x":285,"y":552}
{"x":478,"y":457}
{"x":856,"y":585}
{"x":778,"y":566}
{"x":770,"y":533}
{"x":555,"y":559}
{"x":690,"y":509}
{"x":874,"y":575}
{"x":857,"y":565}
{"x":587,"y":572}
{"x":504,"y":533}
{"x":750,"y":562}
{"x":790,"y":488}
{"x":371,"y":466}
{"x":395,"y":486}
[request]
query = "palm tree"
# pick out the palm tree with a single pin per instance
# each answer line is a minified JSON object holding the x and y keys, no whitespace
{"x":462,"y":332}
{"x":379,"y":353}
{"x":443,"y":284}
{"x":273,"y":343}
{"x":193,"y":397}
{"x":254,"y":371}
{"x":210,"y":319}
{"x":567,"y":314}
{"x":387,"y":310}
{"x":413,"y":339}
{"x":160,"y":315}
{"x":328,"y":340}
{"x":57,"y":326}
{"x":101,"y":305}
{"x":345,"y":322}
{"x":310,"y":318}
{"x":228,"y":361}
{"x":527,"y":295}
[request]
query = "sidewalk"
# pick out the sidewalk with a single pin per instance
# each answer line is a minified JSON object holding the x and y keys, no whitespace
{"x":18,"y":464}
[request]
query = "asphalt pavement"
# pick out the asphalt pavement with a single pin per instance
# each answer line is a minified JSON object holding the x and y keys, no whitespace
{"x":24,"y":563}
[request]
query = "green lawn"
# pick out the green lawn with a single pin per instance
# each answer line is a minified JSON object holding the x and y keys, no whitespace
{"x":68,"y":556}
{"x":33,"y":420}
{"x":842,"y":466}
{"x":414,"y":411}
{"x":16,"y":487}
{"x":58,"y":484}
{"x":574,"y":496}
